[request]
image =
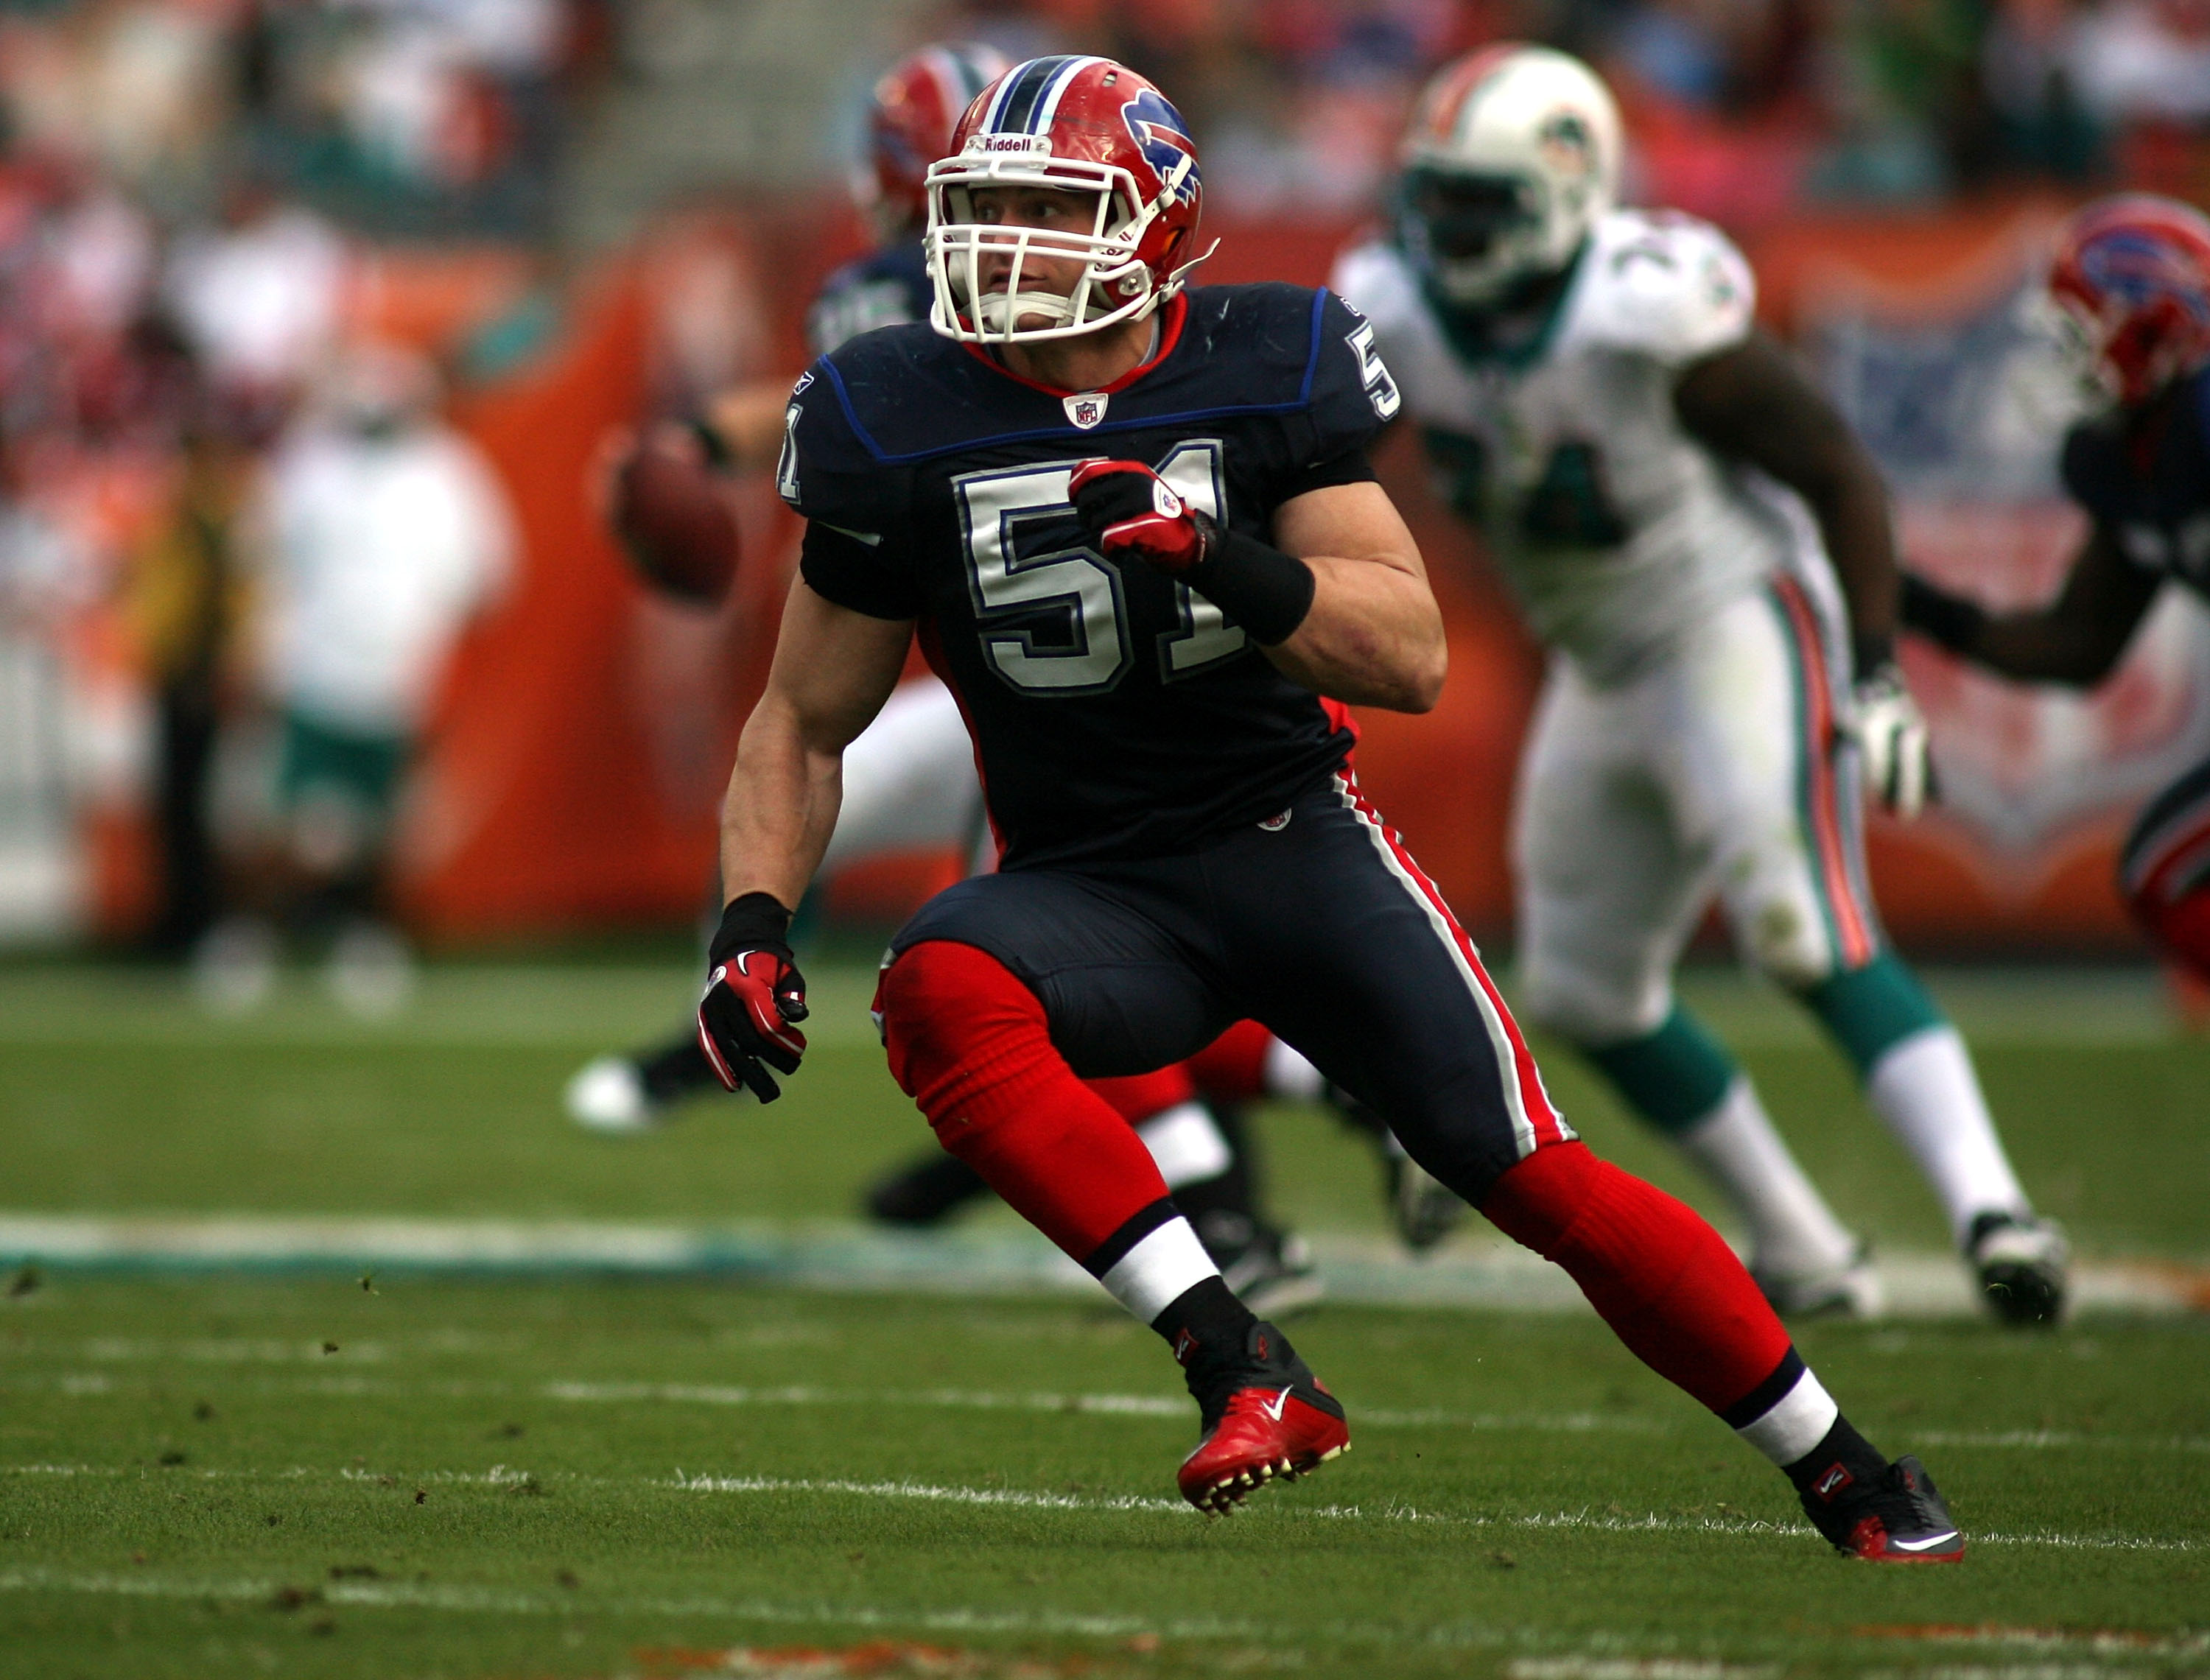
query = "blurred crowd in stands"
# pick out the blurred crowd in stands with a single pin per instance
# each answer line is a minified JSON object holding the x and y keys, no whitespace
{"x":186,"y":187}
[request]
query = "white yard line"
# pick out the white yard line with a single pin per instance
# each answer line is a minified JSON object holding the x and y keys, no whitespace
{"x":839,"y":1255}
{"x":501,"y":1475}
{"x":1176,"y":1407}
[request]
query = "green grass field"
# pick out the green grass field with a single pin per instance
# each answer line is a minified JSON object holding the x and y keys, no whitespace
{"x":226,"y":1474}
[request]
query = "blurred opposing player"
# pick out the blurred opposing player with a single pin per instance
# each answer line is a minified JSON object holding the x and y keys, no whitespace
{"x":910,"y":780}
{"x":2131,"y":280}
{"x":1591,"y":387}
{"x":1135,"y":529}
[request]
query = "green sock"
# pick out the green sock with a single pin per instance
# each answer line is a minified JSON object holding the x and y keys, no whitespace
{"x":1871,"y":1009}
{"x":1672,"y":1077}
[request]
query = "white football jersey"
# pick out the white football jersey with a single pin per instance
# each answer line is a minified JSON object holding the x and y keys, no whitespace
{"x":1614,"y":526}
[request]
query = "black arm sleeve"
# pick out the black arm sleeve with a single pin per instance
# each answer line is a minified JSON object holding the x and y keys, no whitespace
{"x":1351,"y":467}
{"x":839,"y":568}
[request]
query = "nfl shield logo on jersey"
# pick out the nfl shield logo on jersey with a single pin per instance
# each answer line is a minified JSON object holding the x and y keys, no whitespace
{"x":1086,"y":408}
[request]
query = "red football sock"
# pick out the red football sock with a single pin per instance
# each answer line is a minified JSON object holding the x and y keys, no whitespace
{"x":1140,"y":1096}
{"x":1664,"y":1281}
{"x":969,"y":1043}
{"x":1232,"y":1068}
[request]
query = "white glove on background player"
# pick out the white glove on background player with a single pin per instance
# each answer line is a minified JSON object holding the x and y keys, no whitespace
{"x":1890,"y":731}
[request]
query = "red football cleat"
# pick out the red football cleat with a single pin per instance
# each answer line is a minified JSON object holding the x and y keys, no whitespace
{"x":1265,"y":1415}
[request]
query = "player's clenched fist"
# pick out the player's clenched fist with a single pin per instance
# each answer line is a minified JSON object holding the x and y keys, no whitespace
{"x":755,"y":996}
{"x":1891,"y":734}
{"x":1130,"y":508}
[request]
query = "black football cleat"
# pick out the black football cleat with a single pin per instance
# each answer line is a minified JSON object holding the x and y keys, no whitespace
{"x":1264,"y":1416}
{"x":1897,"y":1517}
{"x":1269,"y":1270}
{"x":924,"y":1192}
{"x":2022,"y":1263}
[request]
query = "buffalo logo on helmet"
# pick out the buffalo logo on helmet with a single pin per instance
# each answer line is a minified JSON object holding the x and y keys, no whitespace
{"x":1164,"y":138}
{"x":2132,"y":266}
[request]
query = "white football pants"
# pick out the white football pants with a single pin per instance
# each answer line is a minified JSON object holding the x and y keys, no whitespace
{"x":1715,"y":768}
{"x":909,"y":781}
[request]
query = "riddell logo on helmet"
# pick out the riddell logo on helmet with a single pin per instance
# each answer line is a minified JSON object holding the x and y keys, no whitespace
{"x":1022,"y":145}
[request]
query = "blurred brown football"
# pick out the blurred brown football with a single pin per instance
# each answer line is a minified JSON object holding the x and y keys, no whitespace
{"x":672,"y":512}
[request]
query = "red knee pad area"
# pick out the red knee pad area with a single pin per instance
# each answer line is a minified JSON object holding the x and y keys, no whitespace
{"x":1140,"y":1096}
{"x":1667,"y":1284}
{"x":2181,"y":924}
{"x":970,"y":1044}
{"x":1232,"y":1068}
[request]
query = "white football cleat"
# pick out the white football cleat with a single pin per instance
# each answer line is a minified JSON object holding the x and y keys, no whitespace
{"x":2022,"y":1264}
{"x":1851,"y":1290}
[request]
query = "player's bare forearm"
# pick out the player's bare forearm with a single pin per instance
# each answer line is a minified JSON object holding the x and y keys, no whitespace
{"x":1374,"y":635}
{"x":1751,"y":403}
{"x":2076,"y":640}
{"x":833,"y":669}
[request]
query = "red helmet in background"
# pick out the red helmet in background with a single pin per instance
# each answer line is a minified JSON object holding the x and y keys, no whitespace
{"x":909,"y":122}
{"x":1078,"y":124}
{"x":2133,"y":275}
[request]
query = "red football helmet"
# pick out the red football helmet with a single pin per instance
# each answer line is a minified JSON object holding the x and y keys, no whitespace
{"x":2132,"y":275}
{"x":910,"y":122}
{"x":1077,"y":124}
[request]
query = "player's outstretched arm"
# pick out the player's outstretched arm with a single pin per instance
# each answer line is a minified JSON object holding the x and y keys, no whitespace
{"x":833,"y":669}
{"x":1751,"y":403}
{"x":2076,"y":639}
{"x":1374,"y":635}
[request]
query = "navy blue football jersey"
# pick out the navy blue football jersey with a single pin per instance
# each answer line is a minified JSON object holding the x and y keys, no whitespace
{"x":1116,"y":713}
{"x":885,"y":288}
{"x":2146,"y":478}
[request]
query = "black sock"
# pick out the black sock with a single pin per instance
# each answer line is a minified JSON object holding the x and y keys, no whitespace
{"x":1205,"y":1319}
{"x":675,"y":1069}
{"x":1235,"y":1191}
{"x":1843,"y":1459}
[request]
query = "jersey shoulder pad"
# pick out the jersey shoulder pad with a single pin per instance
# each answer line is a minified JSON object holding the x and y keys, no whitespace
{"x":1373,"y":278}
{"x":1665,"y":286}
{"x":828,"y":470}
{"x":1306,"y":355}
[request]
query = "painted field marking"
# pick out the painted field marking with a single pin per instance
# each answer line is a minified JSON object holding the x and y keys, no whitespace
{"x":800,"y":1395}
{"x":501,"y":1475}
{"x":844,"y":1255}
{"x":1634,"y":1668}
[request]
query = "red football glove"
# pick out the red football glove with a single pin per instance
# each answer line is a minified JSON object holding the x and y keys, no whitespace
{"x":1130,"y":510}
{"x":754,"y":998}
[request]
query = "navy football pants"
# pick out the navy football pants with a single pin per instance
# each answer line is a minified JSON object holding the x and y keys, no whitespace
{"x":1323,"y":929}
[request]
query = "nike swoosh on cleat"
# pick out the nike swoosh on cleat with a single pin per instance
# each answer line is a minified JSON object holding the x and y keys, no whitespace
{"x":1272,"y":1408}
{"x":1922,"y":1545}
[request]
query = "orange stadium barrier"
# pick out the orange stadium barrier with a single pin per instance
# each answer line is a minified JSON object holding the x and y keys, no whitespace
{"x":587,"y":727}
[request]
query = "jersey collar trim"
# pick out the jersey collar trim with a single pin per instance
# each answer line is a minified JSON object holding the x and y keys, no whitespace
{"x":1171,"y":319}
{"x":835,"y":379}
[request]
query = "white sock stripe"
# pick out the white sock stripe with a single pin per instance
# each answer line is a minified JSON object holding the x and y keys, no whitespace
{"x":1798,"y":1422}
{"x":1147,"y":1279}
{"x":1186,"y":1146}
{"x":1422,"y":894}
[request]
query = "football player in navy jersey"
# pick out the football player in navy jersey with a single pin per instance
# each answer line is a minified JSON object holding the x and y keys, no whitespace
{"x":910,"y":780}
{"x":1136,"y":528}
{"x":2132,"y":278}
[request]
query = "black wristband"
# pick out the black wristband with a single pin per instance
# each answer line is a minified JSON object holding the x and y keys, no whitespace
{"x":1949,"y":620}
{"x":1265,"y":590}
{"x":755,"y":921}
{"x":1868,"y":651}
